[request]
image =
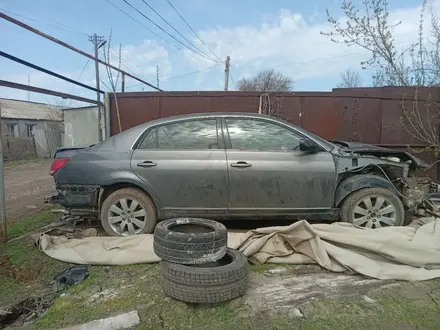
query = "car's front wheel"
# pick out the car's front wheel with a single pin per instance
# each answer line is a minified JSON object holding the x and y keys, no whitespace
{"x":128,"y":211}
{"x":373,"y":208}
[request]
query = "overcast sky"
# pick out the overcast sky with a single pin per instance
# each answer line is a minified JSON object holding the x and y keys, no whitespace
{"x":257,"y":34}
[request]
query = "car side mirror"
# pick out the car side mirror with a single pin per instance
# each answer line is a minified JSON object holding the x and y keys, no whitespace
{"x":308,"y":145}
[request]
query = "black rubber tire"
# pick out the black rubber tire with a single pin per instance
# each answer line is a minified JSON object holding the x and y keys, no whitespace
{"x":190,"y":240}
{"x":211,"y":283}
{"x":351,"y":200}
{"x":143,"y":200}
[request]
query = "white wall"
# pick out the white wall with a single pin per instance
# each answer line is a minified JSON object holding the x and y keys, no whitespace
{"x":80,"y":126}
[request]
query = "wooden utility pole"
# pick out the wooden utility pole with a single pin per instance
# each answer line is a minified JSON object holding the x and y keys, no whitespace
{"x":157,"y":76}
{"x":97,"y":42}
{"x":123,"y":83}
{"x":227,"y":65}
{"x":3,"y":234}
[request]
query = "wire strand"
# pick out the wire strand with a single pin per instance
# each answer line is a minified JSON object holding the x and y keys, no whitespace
{"x":166,"y":32}
{"x":150,"y":30}
{"x":191,"y":73}
{"x":80,"y":75}
{"x":232,"y":78}
{"x":170,"y":25}
{"x":61,"y":25}
{"x":183,"y":75}
{"x":177,"y":12}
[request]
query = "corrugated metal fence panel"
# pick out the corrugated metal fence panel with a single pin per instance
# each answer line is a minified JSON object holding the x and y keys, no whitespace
{"x":289,"y":107}
{"x":359,"y":119}
{"x":235,"y":104}
{"x":321,"y":116}
{"x":175,"y":105}
{"x":133,"y":111}
{"x":418,"y":122}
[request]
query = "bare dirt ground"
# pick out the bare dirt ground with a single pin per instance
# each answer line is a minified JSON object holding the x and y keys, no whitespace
{"x":26,"y":185}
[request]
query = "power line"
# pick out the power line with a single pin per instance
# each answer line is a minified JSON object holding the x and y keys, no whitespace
{"x":177,"y":12}
{"x":80,"y":75}
{"x":150,"y":30}
{"x":191,"y":73}
{"x":66,"y":45}
{"x":68,"y":29}
{"x":318,"y":60}
{"x":232,"y":78}
{"x":61,"y":25}
{"x":166,"y":32}
{"x":180,"y":34}
{"x":72,"y":29}
{"x":183,"y":75}
{"x":146,"y":27}
{"x":339,"y":56}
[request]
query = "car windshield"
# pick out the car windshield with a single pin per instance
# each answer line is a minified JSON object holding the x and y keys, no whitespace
{"x":327,"y":144}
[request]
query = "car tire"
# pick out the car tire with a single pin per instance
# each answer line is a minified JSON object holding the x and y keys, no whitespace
{"x":210,"y":283}
{"x":142,"y":218}
{"x":190,"y":240}
{"x":381,"y":201}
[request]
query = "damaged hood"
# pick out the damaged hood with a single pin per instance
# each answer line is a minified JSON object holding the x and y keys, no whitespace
{"x":370,"y":149}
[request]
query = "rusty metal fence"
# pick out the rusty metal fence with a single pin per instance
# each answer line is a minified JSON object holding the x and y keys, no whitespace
{"x":370,"y":115}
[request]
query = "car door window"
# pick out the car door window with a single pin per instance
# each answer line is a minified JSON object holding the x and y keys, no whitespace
{"x":251,"y":134}
{"x":194,"y":134}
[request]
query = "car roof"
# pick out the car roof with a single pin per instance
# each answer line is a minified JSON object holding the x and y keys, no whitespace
{"x":207,"y":115}
{"x":126,"y":139}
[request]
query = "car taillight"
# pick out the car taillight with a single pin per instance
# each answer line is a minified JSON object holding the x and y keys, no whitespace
{"x":57,"y":164}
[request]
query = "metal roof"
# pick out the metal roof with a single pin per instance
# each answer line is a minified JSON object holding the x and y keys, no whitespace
{"x":17,"y":109}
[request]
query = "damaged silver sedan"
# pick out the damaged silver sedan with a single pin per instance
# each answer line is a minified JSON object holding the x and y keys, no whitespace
{"x":234,"y":166}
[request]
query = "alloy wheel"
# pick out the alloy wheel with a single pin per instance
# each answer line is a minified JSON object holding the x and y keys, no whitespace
{"x":126,"y":217}
{"x":374,"y":212}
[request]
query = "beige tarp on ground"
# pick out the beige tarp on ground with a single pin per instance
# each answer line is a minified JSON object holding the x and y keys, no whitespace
{"x":403,"y":253}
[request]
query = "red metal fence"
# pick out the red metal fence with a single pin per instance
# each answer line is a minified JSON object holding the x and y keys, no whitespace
{"x":370,"y":115}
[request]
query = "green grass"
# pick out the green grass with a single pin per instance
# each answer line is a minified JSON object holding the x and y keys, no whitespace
{"x":33,"y":269}
{"x":29,"y":224}
{"x":15,"y":163}
{"x":109,"y":291}
{"x":411,"y":305}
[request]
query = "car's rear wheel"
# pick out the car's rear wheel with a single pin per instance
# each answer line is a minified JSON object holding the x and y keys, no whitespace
{"x":373,"y":208}
{"x":128,"y":211}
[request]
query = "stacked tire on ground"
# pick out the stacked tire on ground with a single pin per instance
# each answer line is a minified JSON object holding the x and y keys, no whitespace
{"x":197,"y":266}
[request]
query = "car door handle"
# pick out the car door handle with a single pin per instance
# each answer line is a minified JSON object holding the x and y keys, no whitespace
{"x":241,"y":164}
{"x":147,"y":163}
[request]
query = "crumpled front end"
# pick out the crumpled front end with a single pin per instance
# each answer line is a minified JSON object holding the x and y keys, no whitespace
{"x":399,"y":168}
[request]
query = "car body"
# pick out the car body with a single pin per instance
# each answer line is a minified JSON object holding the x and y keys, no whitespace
{"x":232,"y":166}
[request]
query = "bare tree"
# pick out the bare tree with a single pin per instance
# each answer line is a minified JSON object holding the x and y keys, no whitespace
{"x":373,"y":31}
{"x":420,"y":118}
{"x":350,"y":79}
{"x":112,"y":80}
{"x":266,"y":81}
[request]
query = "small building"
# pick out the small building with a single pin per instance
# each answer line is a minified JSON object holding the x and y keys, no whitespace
{"x":30,"y":129}
{"x":80,"y":126}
